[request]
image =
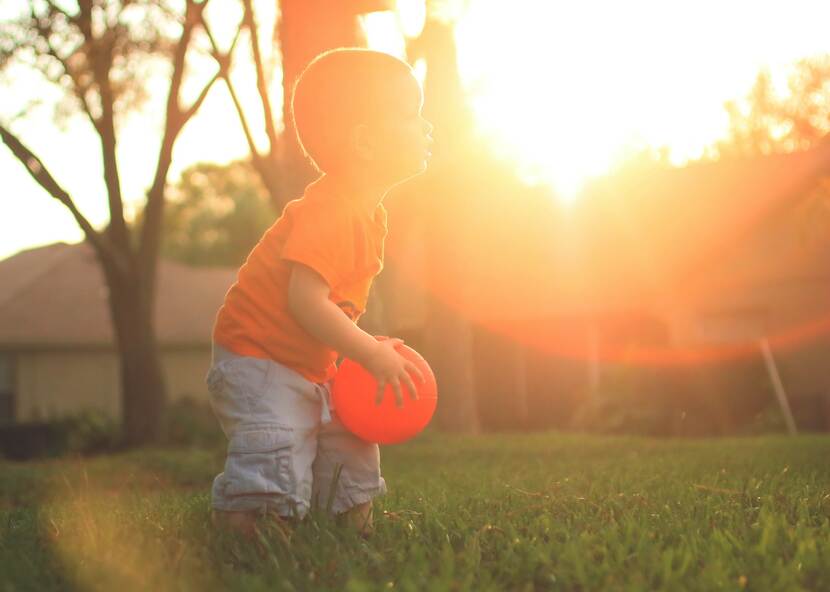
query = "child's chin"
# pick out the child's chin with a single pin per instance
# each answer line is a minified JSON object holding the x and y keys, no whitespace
{"x":413,"y":171}
{"x":422,"y":166}
{"x":419,"y":171}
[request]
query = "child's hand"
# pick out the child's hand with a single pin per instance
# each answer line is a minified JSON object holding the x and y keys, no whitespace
{"x":389,"y":367}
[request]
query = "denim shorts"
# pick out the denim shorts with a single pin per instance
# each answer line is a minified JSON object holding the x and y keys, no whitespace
{"x":285,"y":443}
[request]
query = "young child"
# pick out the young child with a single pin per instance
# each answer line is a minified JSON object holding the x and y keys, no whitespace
{"x":299,"y":294}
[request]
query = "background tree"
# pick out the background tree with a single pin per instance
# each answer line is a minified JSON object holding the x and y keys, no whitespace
{"x":767,"y":122}
{"x":216,"y":214}
{"x":444,"y":196}
{"x":98,"y":53}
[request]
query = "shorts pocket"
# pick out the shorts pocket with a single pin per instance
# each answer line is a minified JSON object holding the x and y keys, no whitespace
{"x":259,"y":462}
{"x":239,"y":376}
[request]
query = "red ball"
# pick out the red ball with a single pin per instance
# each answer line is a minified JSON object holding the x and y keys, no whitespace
{"x":354,"y":390}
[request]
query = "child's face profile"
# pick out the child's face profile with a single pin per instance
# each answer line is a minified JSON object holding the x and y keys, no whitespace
{"x":398,"y":141}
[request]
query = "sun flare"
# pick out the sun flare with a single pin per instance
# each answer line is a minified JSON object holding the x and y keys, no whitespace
{"x":570,"y":91}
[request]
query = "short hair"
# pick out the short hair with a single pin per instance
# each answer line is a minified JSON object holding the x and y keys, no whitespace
{"x":338,"y":90}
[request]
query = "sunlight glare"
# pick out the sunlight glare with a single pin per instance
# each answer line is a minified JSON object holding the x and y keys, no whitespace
{"x":568,"y":91}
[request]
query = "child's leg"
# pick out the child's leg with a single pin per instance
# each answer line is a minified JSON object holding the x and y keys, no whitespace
{"x":241,"y":522}
{"x":268,"y":467}
{"x":355,"y":466}
{"x":360,"y":517}
{"x":245,"y":522}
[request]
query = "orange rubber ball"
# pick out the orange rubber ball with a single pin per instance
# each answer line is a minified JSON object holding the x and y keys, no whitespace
{"x":354,"y":390}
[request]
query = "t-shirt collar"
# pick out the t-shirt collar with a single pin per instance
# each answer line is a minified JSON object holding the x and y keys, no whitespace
{"x":325,"y":186}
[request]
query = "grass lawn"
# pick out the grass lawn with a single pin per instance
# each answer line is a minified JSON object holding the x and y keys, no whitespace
{"x":496,"y":512}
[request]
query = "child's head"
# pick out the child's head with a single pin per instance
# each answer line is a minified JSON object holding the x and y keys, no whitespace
{"x":356,"y":108}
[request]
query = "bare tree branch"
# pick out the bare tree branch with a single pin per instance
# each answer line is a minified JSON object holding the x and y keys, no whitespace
{"x":45,"y":179}
{"x":174,"y":121}
{"x":246,"y":128}
{"x":224,"y":61}
{"x":85,"y":18}
{"x":80,"y":89}
{"x":261,"y":80}
{"x":201,"y":99}
{"x":102,"y":61}
{"x":44,"y":35}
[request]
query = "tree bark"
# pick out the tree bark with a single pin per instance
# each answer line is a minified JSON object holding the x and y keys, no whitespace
{"x":143,"y":388}
{"x":449,"y":344}
{"x":449,"y":335}
{"x":825,"y":407}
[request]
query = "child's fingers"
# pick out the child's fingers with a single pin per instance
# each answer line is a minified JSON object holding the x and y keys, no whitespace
{"x":413,"y":393}
{"x":379,"y":392}
{"x":413,"y":369}
{"x":396,"y":386}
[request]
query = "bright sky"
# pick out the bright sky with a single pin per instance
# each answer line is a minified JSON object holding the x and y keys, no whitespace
{"x":563,"y":88}
{"x":593,"y":78}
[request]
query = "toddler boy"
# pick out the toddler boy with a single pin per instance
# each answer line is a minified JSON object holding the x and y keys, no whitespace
{"x":294,"y":306}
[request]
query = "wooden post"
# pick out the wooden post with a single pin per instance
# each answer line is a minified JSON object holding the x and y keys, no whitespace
{"x":777,"y":385}
{"x":593,"y":360}
{"x":519,"y":368}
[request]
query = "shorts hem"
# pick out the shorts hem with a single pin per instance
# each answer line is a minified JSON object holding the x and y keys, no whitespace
{"x":354,"y":496}
{"x":259,"y":506}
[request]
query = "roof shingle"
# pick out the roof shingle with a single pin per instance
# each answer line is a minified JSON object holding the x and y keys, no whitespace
{"x":56,"y":296}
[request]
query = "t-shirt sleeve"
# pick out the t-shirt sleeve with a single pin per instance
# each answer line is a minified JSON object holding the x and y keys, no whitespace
{"x":325,"y":242}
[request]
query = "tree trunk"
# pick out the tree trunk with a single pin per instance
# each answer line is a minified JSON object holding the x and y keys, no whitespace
{"x":825,"y":407}
{"x":129,"y":273}
{"x":143,"y":388}
{"x":449,"y":343}
{"x":305,"y":29}
{"x":446,"y":197}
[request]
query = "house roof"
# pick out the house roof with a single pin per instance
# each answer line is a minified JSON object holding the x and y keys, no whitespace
{"x":55,"y":296}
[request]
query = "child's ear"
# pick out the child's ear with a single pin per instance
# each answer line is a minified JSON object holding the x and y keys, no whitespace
{"x":362,"y":142}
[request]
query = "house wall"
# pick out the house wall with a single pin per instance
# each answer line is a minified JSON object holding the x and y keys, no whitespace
{"x":185,"y":371}
{"x":787,"y":311}
{"x":786,"y":300}
{"x":769,"y":285}
{"x":53,"y":384}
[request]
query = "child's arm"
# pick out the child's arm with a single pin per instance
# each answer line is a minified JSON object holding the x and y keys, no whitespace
{"x":308,"y":302}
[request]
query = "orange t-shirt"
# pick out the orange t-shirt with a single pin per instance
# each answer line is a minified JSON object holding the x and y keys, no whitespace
{"x":332,"y":234}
